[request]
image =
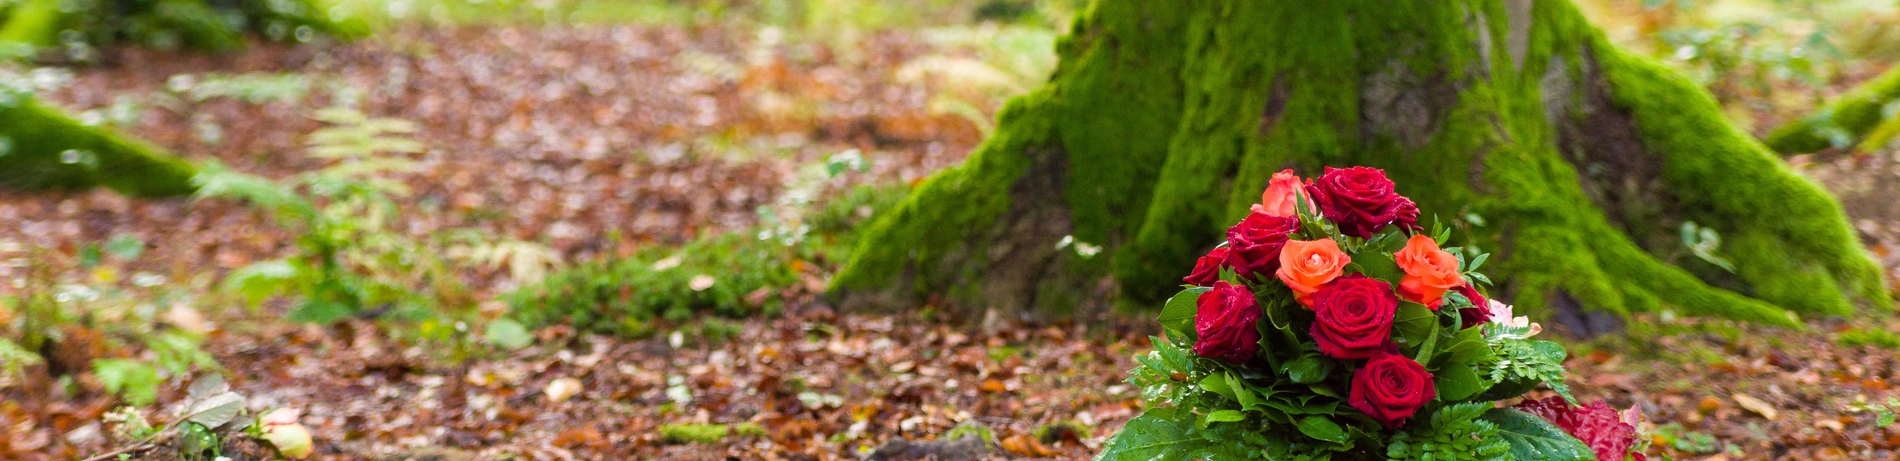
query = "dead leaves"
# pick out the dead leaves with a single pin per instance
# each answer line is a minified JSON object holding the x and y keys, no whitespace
{"x":1023,"y":444}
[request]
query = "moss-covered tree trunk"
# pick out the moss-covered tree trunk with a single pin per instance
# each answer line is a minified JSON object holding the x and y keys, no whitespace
{"x":43,"y":149}
{"x":1574,"y":162}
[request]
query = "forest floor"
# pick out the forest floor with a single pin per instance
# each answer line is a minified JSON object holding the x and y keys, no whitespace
{"x":599,"y":139}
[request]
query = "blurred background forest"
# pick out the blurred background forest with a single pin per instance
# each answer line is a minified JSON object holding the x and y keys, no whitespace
{"x":601,"y":229}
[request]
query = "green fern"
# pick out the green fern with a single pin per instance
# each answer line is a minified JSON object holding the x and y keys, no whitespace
{"x":1532,"y":361}
{"x":1167,"y":374}
{"x":1454,"y":433}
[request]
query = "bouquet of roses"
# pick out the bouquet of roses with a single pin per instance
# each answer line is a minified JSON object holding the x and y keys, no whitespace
{"x":1331,"y":325}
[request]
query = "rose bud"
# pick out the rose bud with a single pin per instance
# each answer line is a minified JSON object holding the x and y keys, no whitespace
{"x":1207,"y":269}
{"x":1283,"y":194}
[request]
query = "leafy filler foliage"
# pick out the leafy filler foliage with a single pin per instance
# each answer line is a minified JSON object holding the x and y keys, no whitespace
{"x":1332,"y":325}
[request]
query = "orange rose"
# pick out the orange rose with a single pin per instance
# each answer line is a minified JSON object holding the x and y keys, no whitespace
{"x":1305,"y":265}
{"x":1281,"y":197}
{"x":1429,"y":271}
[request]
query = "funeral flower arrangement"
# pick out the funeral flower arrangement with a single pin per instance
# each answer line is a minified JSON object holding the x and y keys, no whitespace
{"x":1331,"y":325}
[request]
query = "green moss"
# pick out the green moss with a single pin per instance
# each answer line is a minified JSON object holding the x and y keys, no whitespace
{"x":1840,"y":122}
{"x":173,"y":24}
{"x":629,"y":296}
{"x":693,"y":432}
{"x":1462,"y":108}
{"x":43,"y":149}
{"x":1860,"y":337}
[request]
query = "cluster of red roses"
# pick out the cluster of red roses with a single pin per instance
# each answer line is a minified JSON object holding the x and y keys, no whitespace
{"x":1353,"y":314}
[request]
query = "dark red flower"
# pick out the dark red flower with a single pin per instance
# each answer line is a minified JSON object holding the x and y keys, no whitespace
{"x":1254,"y":244}
{"x":1361,"y":200}
{"x":1352,"y":317}
{"x":1207,"y":269}
{"x":1596,"y":424}
{"x":1408,"y":215}
{"x":1224,"y":320}
{"x":1390,"y":388}
{"x":1480,"y":309}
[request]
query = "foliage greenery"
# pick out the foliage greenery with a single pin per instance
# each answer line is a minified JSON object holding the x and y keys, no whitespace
{"x":75,"y":29}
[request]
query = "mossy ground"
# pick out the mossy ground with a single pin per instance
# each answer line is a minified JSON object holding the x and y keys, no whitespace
{"x":1493,"y":115}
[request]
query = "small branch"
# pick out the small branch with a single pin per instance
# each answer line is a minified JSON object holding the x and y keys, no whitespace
{"x":123,"y":451}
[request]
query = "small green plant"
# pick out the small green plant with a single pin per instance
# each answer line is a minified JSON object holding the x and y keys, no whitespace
{"x":255,"y":88}
{"x":350,"y":258}
{"x":100,"y":309}
{"x":1883,"y":413}
{"x":1674,"y":435}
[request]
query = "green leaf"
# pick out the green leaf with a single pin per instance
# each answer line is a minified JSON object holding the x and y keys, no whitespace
{"x":1218,"y":383}
{"x":318,"y":311}
{"x":1456,"y":382}
{"x":508,"y":334}
{"x":1376,"y":264}
{"x":216,"y":410}
{"x":1466,"y":347}
{"x":1322,"y":428}
{"x":125,"y":247}
{"x":261,"y":280}
{"x":1477,"y":262}
{"x":1413,"y":324}
{"x":1160,"y":433}
{"x":1222,"y":416}
{"x":1178,"y":314}
{"x":131,"y":380}
{"x":1532,"y":437}
{"x":1308,"y":370}
{"x":13,"y":357}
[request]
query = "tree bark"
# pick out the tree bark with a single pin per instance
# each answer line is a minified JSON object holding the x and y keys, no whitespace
{"x":1514,"y":120}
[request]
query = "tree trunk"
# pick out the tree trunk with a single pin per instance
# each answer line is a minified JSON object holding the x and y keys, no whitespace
{"x":42,"y":149}
{"x":1572,"y":161}
{"x":1842,"y":122}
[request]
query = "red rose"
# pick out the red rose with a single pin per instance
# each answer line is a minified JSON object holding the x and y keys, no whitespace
{"x":1361,"y":201}
{"x":1390,"y":388}
{"x":1254,"y":243}
{"x":1408,"y":215}
{"x":1224,"y":319}
{"x":1353,"y":317}
{"x":1480,"y":309}
{"x":1596,"y":424}
{"x":1207,"y":269}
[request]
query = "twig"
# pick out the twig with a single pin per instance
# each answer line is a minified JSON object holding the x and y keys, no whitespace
{"x":123,"y":451}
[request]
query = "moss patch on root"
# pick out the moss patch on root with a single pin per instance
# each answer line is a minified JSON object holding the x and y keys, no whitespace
{"x":1842,"y":121}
